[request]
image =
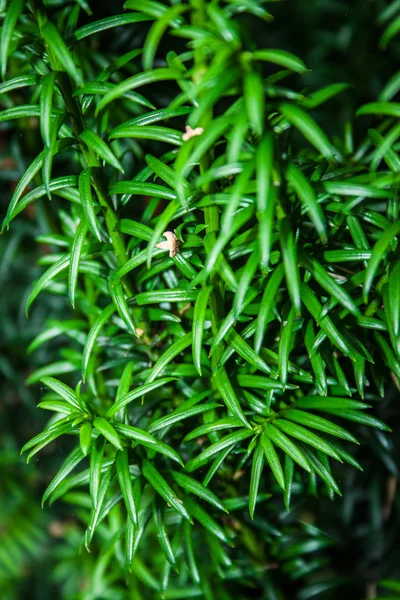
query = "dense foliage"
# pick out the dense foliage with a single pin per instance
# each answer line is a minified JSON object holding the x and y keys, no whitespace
{"x":215,"y":322}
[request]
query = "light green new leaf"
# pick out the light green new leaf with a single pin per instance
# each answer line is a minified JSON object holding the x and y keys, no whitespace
{"x":162,"y":170}
{"x":136,"y":229}
{"x":139,"y":188}
{"x":96,"y":468}
{"x":160,"y":134}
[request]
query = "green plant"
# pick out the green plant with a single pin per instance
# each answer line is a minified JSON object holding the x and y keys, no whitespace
{"x":227,"y":361}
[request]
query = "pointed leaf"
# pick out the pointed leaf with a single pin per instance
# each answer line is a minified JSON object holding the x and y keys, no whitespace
{"x":59,"y":50}
{"x":228,"y":395}
{"x":273,"y":459}
{"x":281,"y":440}
{"x":137,"y":393}
{"x":108,"y":431}
{"x":125,"y":485}
{"x":161,"y":486}
{"x":68,"y":465}
{"x":140,"y":436}
{"x":85,"y":193}
{"x":256,"y":472}
{"x":97,"y":326}
{"x":192,"y":486}
{"x":99,"y":147}
{"x":199,"y":316}
{"x":378,"y":252}
{"x":227,"y":441}
{"x":76,"y":251}
{"x":11,"y":17}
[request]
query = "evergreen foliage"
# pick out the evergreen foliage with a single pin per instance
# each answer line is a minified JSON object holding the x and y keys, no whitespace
{"x":215,"y":323}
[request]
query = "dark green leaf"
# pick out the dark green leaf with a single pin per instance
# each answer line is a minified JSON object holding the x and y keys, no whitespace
{"x":272,"y":459}
{"x":107,"y":430}
{"x":11,"y":17}
{"x":125,"y":484}
{"x":200,"y":308}
{"x":281,"y":440}
{"x":158,"y":482}
{"x":194,"y":487}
